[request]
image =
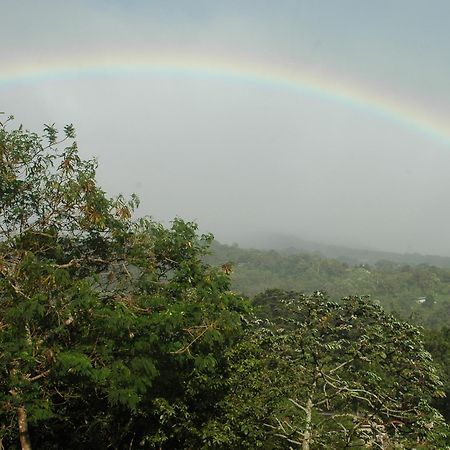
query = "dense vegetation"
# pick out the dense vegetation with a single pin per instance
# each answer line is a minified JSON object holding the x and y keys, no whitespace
{"x":322,"y":374}
{"x":353,"y":256}
{"x":116,"y":333}
{"x":419,"y":293}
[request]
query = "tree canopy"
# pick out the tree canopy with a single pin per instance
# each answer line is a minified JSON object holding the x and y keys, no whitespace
{"x":107,"y":323}
{"x":115,"y":333}
{"x":417,"y":293}
{"x":337,"y":375}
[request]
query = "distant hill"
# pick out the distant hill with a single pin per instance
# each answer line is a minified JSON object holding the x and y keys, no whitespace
{"x":291,"y":244}
{"x":414,"y":290}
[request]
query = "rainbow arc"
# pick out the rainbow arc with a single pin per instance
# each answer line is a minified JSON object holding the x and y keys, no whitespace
{"x":295,"y":80}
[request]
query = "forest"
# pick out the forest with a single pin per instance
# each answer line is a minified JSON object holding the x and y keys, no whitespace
{"x":117,"y":332}
{"x":418,"y":293}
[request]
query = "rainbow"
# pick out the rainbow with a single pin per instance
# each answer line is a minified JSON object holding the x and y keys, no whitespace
{"x":290,"y":78}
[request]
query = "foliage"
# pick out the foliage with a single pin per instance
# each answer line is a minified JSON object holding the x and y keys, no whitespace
{"x":419,"y":294}
{"x":115,"y":333}
{"x":327,"y":375}
{"x":111,"y":330}
{"x":437,"y":343}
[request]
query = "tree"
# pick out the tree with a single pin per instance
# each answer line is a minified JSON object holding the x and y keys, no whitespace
{"x":112,"y":330}
{"x":438,"y":344}
{"x":333,"y":375}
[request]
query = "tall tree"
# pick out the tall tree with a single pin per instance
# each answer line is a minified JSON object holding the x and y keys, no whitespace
{"x":334,"y":375}
{"x":112,"y":330}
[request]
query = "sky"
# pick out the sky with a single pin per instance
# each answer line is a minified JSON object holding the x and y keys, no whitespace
{"x":324,"y":120}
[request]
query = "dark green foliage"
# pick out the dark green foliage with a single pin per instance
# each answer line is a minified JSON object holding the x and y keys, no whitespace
{"x":419,"y":294}
{"x":112,"y":332}
{"x":325,"y":375}
{"x":437,"y":342}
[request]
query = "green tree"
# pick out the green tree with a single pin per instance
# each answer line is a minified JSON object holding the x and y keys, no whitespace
{"x":437,"y":343}
{"x":326,"y":375}
{"x":112,"y":330}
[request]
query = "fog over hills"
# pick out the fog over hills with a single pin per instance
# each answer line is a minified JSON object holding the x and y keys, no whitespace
{"x":352,"y":255}
{"x":325,"y":120}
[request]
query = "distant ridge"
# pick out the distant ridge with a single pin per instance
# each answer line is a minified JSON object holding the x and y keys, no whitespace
{"x":291,"y":244}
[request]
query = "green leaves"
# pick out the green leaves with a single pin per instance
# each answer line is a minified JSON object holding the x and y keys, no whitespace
{"x":328,"y":375}
{"x":106,"y":322}
{"x":74,"y":363}
{"x":69,"y":131}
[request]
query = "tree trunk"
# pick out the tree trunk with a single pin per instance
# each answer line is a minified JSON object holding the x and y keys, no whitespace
{"x":307,"y":433}
{"x":24,"y":436}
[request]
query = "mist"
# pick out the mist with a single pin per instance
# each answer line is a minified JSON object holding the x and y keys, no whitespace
{"x":246,"y":160}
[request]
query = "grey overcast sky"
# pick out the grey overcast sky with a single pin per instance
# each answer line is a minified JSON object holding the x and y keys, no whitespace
{"x":239,"y":154}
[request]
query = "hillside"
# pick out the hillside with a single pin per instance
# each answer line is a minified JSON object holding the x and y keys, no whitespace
{"x":292,"y":244}
{"x":419,"y":293}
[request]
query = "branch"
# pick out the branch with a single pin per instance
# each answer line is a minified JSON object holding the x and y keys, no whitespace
{"x":299,"y":406}
{"x":77,"y":261}
{"x":341,"y":365}
{"x":41,"y":375}
{"x":186,"y":347}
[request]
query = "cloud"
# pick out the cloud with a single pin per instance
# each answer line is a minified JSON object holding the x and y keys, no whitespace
{"x":237,"y":157}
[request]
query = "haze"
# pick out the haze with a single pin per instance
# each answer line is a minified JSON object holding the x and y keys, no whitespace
{"x":241,"y":158}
